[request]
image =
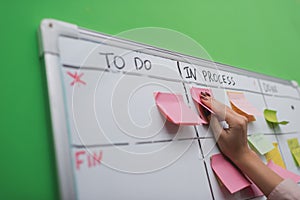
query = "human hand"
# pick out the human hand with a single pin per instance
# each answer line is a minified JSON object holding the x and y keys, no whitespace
{"x":232,"y":141}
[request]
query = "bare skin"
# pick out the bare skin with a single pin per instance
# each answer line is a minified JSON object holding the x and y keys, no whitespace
{"x":233,"y":143}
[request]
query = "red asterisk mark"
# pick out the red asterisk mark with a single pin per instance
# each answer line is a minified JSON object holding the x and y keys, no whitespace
{"x":76,"y":78}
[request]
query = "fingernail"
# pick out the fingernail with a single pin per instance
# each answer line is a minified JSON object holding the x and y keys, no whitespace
{"x":207,"y":94}
{"x":202,"y":93}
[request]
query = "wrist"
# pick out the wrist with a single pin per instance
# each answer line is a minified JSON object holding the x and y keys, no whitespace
{"x":244,"y":158}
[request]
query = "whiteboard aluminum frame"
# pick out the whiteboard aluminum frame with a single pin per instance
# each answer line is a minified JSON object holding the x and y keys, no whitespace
{"x":49,"y":32}
{"x":48,"y":35}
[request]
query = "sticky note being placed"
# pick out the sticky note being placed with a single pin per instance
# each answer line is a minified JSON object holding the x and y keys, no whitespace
{"x":283,"y":172}
{"x":271,"y":116}
{"x":241,"y":105}
{"x":204,"y":111}
{"x":294,"y":147}
{"x":175,"y":110}
{"x":260,"y":143}
{"x":228,"y":174}
{"x":275,"y":156}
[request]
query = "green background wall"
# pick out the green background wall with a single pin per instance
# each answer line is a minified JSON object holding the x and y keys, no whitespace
{"x":262,"y":36}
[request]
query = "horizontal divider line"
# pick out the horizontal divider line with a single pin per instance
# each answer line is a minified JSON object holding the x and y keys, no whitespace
{"x":287,"y":133}
{"x":162,"y":141}
{"x":79,"y":146}
{"x":175,"y":80}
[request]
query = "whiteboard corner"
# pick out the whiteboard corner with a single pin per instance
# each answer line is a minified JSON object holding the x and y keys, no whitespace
{"x":50,"y":30}
{"x":294,"y":83}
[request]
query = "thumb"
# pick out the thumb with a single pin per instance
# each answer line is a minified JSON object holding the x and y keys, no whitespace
{"x":216,"y":127}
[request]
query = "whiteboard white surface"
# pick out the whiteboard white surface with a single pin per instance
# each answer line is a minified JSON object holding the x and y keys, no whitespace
{"x":209,"y":149}
{"x":287,"y":156}
{"x":110,"y":101}
{"x":102,"y":107}
{"x":287,"y":109}
{"x":190,"y":183}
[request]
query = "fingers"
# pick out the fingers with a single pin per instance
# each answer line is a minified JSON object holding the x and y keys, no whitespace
{"x":222,"y":111}
{"x":216,"y":127}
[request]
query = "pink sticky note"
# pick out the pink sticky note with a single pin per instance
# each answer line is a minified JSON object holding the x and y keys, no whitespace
{"x":203,"y":109}
{"x":283,"y":172}
{"x":175,"y":110}
{"x":228,"y":174}
{"x":256,"y":192}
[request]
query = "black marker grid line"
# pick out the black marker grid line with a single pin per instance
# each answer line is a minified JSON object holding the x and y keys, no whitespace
{"x":174,"y":80}
{"x":185,"y":85}
{"x":185,"y":89}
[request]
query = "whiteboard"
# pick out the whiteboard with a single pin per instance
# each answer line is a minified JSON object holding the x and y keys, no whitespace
{"x":112,"y":142}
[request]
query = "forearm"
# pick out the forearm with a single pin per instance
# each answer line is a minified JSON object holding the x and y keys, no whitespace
{"x":251,"y":165}
{"x":232,"y":141}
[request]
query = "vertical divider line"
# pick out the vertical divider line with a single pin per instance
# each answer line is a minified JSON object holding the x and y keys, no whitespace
{"x":199,"y":143}
{"x":271,"y":124}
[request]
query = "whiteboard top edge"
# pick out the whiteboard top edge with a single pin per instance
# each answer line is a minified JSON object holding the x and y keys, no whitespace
{"x":51,"y":29}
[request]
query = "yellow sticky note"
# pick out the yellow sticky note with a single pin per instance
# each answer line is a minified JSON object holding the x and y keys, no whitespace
{"x":270,"y":116}
{"x":293,"y":143}
{"x":296,"y":155}
{"x":275,"y":156}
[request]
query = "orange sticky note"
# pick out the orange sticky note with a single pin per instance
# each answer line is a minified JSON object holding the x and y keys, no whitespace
{"x":275,"y":156}
{"x":241,"y":105}
{"x":228,"y":174}
{"x":204,"y":111}
{"x":175,"y":110}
